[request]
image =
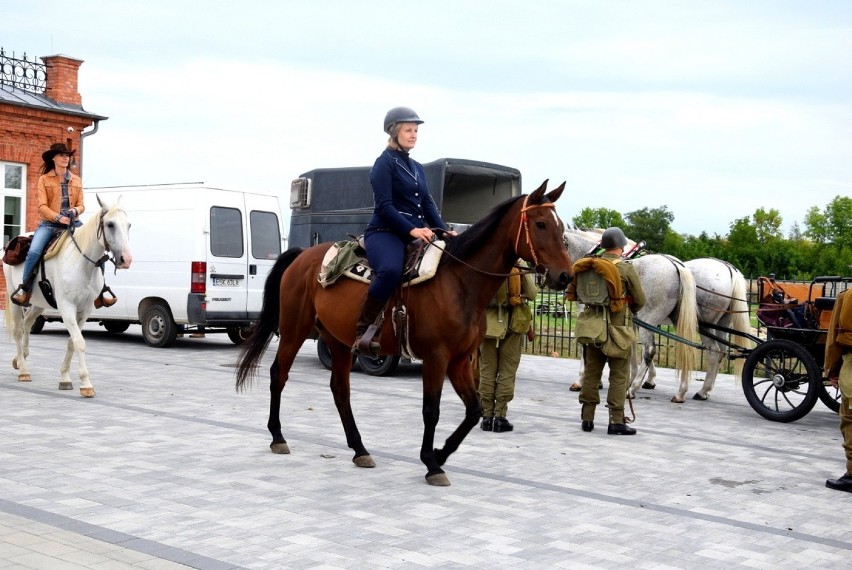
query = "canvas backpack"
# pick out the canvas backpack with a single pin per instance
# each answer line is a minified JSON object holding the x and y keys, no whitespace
{"x":592,"y":291}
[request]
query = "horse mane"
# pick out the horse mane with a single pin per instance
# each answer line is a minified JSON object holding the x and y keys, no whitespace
{"x":89,"y":230}
{"x":470,"y":241}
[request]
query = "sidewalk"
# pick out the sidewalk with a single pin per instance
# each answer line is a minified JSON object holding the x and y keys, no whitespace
{"x":169,"y":467}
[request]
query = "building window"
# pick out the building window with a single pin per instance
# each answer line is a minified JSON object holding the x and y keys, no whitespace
{"x":14,"y":181}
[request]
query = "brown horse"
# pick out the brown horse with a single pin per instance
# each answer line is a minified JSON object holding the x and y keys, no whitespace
{"x":445,"y":317}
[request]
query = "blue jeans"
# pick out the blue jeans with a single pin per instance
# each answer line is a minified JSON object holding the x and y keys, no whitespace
{"x":41,"y":238}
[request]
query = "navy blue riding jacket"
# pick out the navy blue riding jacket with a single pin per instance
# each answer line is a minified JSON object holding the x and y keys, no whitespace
{"x":401,"y":203}
{"x":401,"y":199}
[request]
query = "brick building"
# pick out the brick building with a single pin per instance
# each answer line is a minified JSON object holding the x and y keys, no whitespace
{"x":39,"y":105}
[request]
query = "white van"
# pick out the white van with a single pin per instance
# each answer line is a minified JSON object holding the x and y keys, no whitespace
{"x":200,"y":260}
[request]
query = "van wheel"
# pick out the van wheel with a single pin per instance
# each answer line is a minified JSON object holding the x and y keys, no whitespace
{"x":158,"y":328}
{"x":238,"y":335}
{"x":38,"y":325}
{"x":116,"y":326}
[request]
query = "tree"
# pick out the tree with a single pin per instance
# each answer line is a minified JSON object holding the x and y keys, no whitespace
{"x":651,"y":225}
{"x":593,"y":218}
{"x":767,"y":224}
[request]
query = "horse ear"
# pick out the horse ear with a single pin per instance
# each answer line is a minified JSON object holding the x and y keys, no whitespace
{"x":554,"y":194}
{"x":100,"y":202}
{"x":539,"y":192}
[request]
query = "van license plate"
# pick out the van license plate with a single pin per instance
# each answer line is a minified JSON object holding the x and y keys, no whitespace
{"x":226,"y":282}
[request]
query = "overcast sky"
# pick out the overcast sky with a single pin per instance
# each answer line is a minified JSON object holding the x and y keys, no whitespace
{"x":710,"y":108}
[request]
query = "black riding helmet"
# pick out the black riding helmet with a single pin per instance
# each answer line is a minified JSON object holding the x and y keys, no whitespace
{"x":400,"y":115}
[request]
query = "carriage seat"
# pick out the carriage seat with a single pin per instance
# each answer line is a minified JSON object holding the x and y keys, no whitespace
{"x":824,"y":303}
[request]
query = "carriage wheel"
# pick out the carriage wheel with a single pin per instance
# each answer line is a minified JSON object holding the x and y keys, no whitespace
{"x":378,"y":365}
{"x":781,"y":380}
{"x":830,"y":396}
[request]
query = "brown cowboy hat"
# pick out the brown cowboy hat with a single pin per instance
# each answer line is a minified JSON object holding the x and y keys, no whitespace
{"x":56,"y":148}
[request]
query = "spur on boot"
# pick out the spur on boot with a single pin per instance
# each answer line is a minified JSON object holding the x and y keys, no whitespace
{"x":487,"y":424}
{"x":502,"y":424}
{"x":620,"y":429}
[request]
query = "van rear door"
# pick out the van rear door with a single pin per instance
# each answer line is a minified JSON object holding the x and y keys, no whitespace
{"x":244,"y":242}
{"x":265,"y":240}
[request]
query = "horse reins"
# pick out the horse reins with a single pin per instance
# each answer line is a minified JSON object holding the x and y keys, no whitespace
{"x":522,"y":226}
{"x":100,"y":262}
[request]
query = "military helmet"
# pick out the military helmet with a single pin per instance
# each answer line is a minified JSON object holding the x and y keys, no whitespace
{"x":400,"y":115}
{"x":613,"y":237}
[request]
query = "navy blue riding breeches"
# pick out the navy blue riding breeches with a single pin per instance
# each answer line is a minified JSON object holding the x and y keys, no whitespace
{"x":386,"y":254}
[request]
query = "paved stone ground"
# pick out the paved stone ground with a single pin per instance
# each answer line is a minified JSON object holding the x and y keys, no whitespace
{"x":169,"y":467}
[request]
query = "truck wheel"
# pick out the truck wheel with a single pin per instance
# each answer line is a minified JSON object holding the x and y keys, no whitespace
{"x":238,"y":335}
{"x":384,"y":365}
{"x":38,"y":325}
{"x":158,"y":328}
{"x":116,"y":326}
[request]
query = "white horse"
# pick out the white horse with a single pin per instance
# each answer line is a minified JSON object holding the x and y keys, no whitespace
{"x":76,"y":275}
{"x":722,"y":298}
{"x":670,"y":299}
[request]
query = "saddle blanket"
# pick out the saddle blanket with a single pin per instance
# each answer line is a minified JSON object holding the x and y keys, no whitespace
{"x":347,"y":259}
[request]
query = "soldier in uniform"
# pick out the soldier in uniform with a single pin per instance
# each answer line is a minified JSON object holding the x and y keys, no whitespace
{"x":508,"y":319}
{"x":838,"y":367}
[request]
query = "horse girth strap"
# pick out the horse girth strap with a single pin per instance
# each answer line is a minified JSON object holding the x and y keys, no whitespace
{"x":524,"y":226}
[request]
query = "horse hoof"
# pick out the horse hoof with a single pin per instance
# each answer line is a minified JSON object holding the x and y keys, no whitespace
{"x":676,"y":400}
{"x":574,"y":387}
{"x":66,"y":386}
{"x":25,"y":378}
{"x":87,"y":392}
{"x":280,"y":448}
{"x":364,"y":461}
{"x":699,"y":397}
{"x":649,"y":386}
{"x":15,"y":363}
{"x":438,"y":480}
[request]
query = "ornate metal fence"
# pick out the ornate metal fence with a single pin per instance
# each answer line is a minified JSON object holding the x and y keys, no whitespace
{"x":22,"y":73}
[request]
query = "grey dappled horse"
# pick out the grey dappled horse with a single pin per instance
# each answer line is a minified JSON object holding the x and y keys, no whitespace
{"x":670,"y":299}
{"x":722,"y":296}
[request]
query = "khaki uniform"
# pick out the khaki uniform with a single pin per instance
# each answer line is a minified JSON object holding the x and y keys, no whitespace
{"x":500,"y":352}
{"x":838,"y":363}
{"x":619,"y":368}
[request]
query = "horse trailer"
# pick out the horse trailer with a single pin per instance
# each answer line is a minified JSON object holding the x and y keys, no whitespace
{"x":331,"y":204}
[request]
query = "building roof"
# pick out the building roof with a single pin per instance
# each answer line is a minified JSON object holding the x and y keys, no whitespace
{"x":15,"y":96}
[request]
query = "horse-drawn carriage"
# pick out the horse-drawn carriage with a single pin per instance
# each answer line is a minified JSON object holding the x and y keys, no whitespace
{"x":782,"y":376}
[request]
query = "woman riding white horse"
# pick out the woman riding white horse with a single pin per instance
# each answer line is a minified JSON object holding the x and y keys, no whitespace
{"x":76,"y":277}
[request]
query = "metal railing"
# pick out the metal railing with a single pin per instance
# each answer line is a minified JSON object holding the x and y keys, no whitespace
{"x":22,"y":73}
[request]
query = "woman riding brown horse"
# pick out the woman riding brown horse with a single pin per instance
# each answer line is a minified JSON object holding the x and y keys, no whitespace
{"x":445,"y":317}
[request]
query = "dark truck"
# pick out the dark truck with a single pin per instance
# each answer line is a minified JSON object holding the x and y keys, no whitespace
{"x":332,"y":204}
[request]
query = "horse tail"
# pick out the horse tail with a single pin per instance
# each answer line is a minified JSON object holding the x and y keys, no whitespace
{"x":740,"y":316}
{"x":267,"y":324}
{"x":687,"y":324}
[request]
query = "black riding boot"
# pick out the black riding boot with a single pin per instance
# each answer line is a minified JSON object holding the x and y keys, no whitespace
{"x":371,"y":310}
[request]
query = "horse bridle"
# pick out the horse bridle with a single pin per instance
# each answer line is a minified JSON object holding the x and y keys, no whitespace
{"x":100,"y":262}
{"x":524,"y":224}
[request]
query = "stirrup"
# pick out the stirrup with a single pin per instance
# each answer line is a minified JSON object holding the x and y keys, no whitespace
{"x":365,"y":343}
{"x":20,"y":290}
{"x":101,"y":301}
